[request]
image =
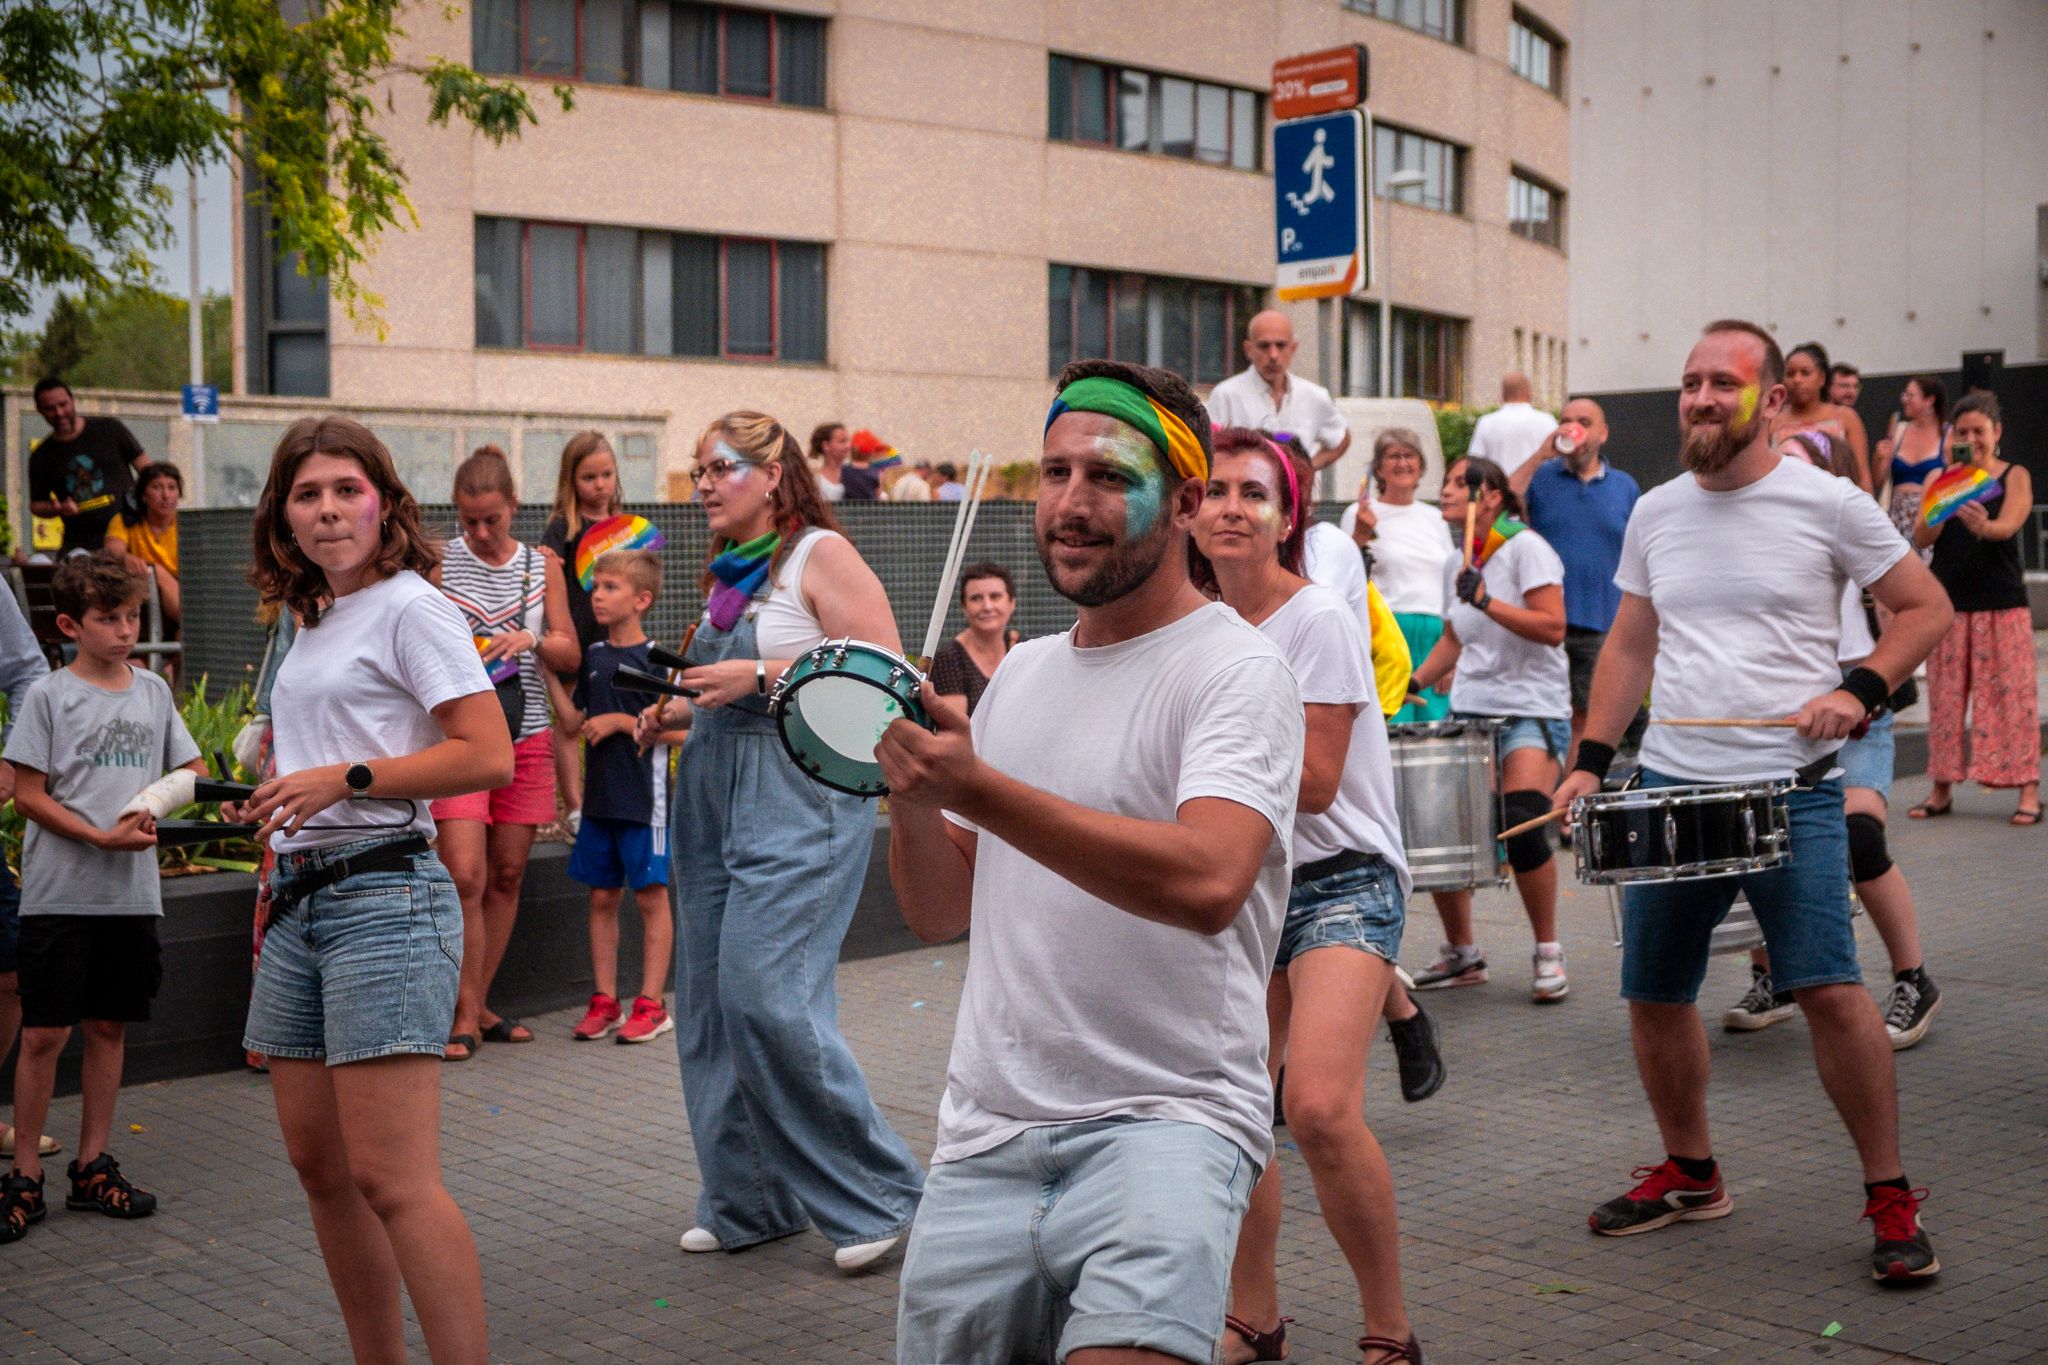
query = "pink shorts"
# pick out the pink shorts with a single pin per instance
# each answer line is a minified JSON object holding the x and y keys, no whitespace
{"x":528,"y":799}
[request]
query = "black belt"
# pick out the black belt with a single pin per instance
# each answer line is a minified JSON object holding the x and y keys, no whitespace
{"x":1348,"y":861}
{"x":389,"y":857}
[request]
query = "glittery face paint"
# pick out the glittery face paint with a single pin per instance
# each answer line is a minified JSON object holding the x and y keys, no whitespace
{"x":1145,"y":487}
{"x":742,"y":468}
{"x":1745,"y":405}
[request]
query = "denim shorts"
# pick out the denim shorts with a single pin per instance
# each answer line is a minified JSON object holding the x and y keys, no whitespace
{"x":10,"y":921}
{"x":1867,"y":762}
{"x":1802,"y":906}
{"x":1112,"y":1233}
{"x":1361,"y":908}
{"x":1554,"y":737}
{"x":367,"y":967}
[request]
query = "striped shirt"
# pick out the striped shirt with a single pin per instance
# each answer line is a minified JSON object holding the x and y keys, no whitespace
{"x":489,"y":598}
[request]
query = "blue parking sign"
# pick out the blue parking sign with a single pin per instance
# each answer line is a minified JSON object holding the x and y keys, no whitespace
{"x":1319,"y":205}
{"x":202,"y":402}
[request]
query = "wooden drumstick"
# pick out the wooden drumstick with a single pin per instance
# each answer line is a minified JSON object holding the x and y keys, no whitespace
{"x":1471,"y":511}
{"x":978,"y":469}
{"x":1726,"y":722}
{"x":1537,"y":823}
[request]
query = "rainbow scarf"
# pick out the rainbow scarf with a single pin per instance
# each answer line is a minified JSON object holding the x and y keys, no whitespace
{"x":1504,"y":529}
{"x":1182,"y":452}
{"x":740,"y":571}
{"x":1947,"y":491}
{"x":622,"y":532}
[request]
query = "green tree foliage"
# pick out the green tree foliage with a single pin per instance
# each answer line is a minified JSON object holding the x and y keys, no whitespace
{"x":100,"y":99}
{"x":129,"y":337}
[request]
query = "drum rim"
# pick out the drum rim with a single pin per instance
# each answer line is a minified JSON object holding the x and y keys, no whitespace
{"x":1688,"y":794}
{"x":780,"y":708}
{"x":1442,"y":729}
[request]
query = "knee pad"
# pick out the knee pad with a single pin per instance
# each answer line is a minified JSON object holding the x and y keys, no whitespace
{"x":1530,"y":849}
{"x":1868,"y":857}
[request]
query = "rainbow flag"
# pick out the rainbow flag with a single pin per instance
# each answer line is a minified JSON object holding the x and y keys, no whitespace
{"x":499,"y":670}
{"x":622,"y":532}
{"x":1947,"y":491}
{"x":1504,"y":529}
{"x":888,"y":459}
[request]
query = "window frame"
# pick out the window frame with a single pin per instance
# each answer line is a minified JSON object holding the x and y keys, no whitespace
{"x":635,"y":70}
{"x":1445,"y":328}
{"x":1112,"y":77}
{"x":725,"y":351}
{"x":1555,"y":240}
{"x":725,"y":59}
{"x":1539,"y":31}
{"x":1115,"y":283}
{"x":1454,"y":13}
{"x":527,"y":343}
{"x":1459,"y":157}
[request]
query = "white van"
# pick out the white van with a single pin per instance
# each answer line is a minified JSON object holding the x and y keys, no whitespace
{"x":1367,"y":418}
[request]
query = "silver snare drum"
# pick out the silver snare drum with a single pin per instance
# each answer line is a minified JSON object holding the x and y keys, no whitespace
{"x":1443,"y":786}
{"x":1670,"y":834}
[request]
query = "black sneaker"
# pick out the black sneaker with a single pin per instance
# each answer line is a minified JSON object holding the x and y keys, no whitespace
{"x":101,"y":1188}
{"x":1667,"y":1195}
{"x":1416,"y":1052}
{"x":1760,"y":1007}
{"x":21,"y":1205}
{"x":1910,"y":1009}
{"x":1903,"y":1254}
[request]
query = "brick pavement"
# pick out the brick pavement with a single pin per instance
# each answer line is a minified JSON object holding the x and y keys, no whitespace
{"x":574,"y":1165}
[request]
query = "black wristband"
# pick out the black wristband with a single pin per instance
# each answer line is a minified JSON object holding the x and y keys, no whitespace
{"x":1867,"y":686}
{"x":1595,"y":758}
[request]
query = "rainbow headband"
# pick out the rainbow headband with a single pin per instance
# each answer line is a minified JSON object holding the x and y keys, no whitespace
{"x":1114,"y":398}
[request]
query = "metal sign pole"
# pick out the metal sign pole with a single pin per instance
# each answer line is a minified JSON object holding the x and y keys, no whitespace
{"x":195,"y":337}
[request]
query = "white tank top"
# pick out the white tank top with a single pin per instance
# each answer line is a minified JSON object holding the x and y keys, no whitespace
{"x":785,"y":627}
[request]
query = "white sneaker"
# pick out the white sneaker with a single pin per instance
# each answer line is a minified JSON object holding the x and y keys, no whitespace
{"x":1549,"y":983}
{"x":1453,"y":967}
{"x":862,"y":1254}
{"x":701,"y":1239}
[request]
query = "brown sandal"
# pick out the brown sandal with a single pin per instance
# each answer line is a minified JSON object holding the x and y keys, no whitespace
{"x":1396,"y":1351}
{"x":1269,"y":1345}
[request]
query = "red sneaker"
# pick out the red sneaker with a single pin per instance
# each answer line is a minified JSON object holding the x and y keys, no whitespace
{"x":1903,"y":1253}
{"x":602,"y":1018}
{"x":1667,"y":1195}
{"x":649,"y":1022}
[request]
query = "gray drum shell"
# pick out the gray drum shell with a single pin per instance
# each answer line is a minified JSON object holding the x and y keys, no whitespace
{"x":1443,"y":788}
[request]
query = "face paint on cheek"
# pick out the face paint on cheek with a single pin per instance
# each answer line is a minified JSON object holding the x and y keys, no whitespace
{"x":369,"y":517}
{"x":1146,"y":492}
{"x":1745,"y":406}
{"x":742,"y":467}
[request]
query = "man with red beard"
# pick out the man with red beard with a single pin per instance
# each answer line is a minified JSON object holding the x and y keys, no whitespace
{"x":1116,"y":827}
{"x":1732,"y":578}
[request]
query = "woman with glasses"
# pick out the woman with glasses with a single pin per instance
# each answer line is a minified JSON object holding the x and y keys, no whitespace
{"x":1409,"y":550}
{"x":767,"y":866}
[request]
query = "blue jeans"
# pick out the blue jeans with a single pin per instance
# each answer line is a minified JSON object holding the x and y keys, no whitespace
{"x":1867,"y":762}
{"x":1111,"y":1233}
{"x":1362,"y":908}
{"x":767,"y":867}
{"x":1802,"y":906}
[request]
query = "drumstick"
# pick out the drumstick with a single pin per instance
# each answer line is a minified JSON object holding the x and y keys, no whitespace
{"x":1536,"y":823}
{"x":1726,"y":722}
{"x":1471,"y":510}
{"x":675,"y":670}
{"x":978,"y":467}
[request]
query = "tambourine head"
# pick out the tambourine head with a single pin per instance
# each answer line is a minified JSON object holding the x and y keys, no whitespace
{"x":832,"y":706}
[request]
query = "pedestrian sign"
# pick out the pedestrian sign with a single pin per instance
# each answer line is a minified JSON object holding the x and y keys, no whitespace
{"x":1319,"y":205}
{"x":202,"y":403}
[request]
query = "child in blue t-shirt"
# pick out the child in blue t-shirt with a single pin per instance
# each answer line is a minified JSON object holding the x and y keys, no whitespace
{"x":623,"y":840}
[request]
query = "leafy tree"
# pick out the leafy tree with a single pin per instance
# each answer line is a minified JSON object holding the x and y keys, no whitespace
{"x":132,"y":337}
{"x":99,"y":98}
{"x":67,"y":336}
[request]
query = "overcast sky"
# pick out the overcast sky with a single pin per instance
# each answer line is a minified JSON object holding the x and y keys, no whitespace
{"x":216,"y":242}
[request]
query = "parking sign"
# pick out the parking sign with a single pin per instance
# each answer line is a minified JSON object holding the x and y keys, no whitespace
{"x":1319,"y":206}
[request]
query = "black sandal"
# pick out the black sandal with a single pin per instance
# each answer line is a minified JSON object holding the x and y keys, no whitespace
{"x":1927,"y":810}
{"x":21,"y":1205}
{"x":100,"y":1187}
{"x":507,"y":1030}
{"x":1269,"y":1345}
{"x":2024,"y":817}
{"x":466,"y":1041}
{"x":1409,"y":1351}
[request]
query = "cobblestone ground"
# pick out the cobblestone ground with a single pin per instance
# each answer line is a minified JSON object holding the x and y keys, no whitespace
{"x":575,"y":1167}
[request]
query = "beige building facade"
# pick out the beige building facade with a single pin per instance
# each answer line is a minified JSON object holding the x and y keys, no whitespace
{"x":901,"y":214}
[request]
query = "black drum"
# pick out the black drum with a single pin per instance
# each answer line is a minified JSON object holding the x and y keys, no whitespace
{"x":1669,"y":834}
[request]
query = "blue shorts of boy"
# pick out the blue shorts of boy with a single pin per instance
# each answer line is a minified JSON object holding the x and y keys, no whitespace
{"x":1802,"y":906}
{"x":1360,"y":908}
{"x":1117,"y":1232}
{"x":1547,"y":733}
{"x":615,"y":853}
{"x":1867,"y":762}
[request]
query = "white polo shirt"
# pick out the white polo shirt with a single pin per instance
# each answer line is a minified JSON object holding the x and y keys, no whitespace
{"x":1510,"y":434}
{"x":1243,"y":400}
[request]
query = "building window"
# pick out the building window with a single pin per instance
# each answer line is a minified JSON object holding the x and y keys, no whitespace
{"x":1442,"y":163}
{"x":1428,"y":354}
{"x":662,"y":44}
{"x":1535,"y":210}
{"x":622,"y":291}
{"x":1140,"y":111}
{"x":1535,"y":54}
{"x":1443,"y":19}
{"x":1188,"y":326}
{"x":287,"y":319}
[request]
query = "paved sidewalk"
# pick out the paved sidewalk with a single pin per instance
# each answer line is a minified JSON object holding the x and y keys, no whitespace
{"x":574,"y":1165}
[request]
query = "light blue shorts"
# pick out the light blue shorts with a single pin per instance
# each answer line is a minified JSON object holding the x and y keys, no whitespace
{"x":367,"y":967}
{"x":1552,"y":736}
{"x":1112,"y":1233}
{"x":1867,"y":762}
{"x":1362,"y":908}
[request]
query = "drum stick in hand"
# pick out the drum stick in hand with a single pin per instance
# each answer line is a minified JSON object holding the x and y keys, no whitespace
{"x":1471,"y":511}
{"x":978,"y":466}
{"x":1537,"y":823}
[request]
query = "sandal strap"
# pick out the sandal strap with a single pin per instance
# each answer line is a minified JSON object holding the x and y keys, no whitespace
{"x":1409,"y":1350}
{"x":1269,"y":1345}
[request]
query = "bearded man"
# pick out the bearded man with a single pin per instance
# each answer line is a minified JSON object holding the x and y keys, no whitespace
{"x":1732,"y":577}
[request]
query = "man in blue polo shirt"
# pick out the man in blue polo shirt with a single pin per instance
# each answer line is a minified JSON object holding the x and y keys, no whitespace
{"x":1580,"y":504}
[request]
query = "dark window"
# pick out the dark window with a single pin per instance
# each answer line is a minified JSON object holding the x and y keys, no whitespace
{"x":554,"y":285}
{"x":494,"y":36}
{"x":693,"y":49}
{"x":703,"y":49}
{"x":750,"y":299}
{"x":298,"y":364}
{"x":801,"y":291}
{"x":1188,"y":326}
{"x":800,"y":60}
{"x":1140,"y":111}
{"x":611,"y":290}
{"x":1441,"y":163}
{"x":287,"y":317}
{"x":696,"y":294}
{"x":550,"y":47}
{"x":1535,"y":210}
{"x":1428,"y":354}
{"x":1535,"y":54}
{"x":749,"y":54}
{"x":605,"y":44}
{"x":1443,"y":19}
{"x":500,"y":286}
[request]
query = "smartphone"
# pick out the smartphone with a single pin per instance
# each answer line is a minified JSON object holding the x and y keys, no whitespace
{"x":1959,"y":453}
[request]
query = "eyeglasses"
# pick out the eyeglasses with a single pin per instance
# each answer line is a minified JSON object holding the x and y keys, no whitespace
{"x":715,"y":472}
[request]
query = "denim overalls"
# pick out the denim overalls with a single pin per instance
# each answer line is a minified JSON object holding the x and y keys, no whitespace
{"x":767,"y":867}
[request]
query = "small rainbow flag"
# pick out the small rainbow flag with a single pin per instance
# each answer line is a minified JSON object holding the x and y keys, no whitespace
{"x":1947,"y":491}
{"x":888,"y":459}
{"x":622,"y":532}
{"x":499,"y":670}
{"x":1504,"y":529}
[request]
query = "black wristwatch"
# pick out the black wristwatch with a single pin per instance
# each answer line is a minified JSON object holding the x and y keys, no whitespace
{"x":358,"y":777}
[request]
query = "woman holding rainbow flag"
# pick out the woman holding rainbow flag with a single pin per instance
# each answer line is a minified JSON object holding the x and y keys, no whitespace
{"x":1504,"y":636}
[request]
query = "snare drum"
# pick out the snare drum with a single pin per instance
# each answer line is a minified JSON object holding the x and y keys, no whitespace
{"x":1443,"y":788}
{"x":833,"y":704}
{"x":1670,"y":834}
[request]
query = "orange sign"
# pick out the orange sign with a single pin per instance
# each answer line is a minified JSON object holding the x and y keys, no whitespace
{"x":1319,"y":82}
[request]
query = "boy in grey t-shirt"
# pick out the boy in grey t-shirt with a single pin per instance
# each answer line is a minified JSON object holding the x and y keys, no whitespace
{"x":89,"y":738}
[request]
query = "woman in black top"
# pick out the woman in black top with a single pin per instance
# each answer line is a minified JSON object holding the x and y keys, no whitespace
{"x":965,"y":663}
{"x":1985,"y":664}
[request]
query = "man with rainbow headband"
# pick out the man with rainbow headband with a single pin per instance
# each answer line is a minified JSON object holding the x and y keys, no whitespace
{"x":1115,"y":825}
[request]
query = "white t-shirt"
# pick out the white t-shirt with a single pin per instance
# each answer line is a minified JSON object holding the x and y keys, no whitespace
{"x":1410,"y":546}
{"x":1748,"y":589}
{"x":1510,"y":434}
{"x":785,"y":627}
{"x":362,"y":685}
{"x":1332,"y":667}
{"x":1074,"y":1010}
{"x":1332,"y":560}
{"x":1857,"y":641}
{"x":1499,"y":672}
{"x":1243,"y":400}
